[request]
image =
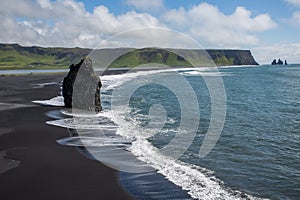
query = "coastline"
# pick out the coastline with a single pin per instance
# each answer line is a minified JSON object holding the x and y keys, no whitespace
{"x":108,"y":71}
{"x":130,"y":183}
{"x":47,"y":170}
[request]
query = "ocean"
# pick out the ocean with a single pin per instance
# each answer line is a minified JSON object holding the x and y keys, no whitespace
{"x":156,"y":123}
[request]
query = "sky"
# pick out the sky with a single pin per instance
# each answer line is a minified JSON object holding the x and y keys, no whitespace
{"x":269,"y":28}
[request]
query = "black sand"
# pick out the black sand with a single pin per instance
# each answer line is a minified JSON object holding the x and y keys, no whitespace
{"x":47,"y":170}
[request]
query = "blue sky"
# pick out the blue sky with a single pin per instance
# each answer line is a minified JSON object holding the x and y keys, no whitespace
{"x":270,"y":29}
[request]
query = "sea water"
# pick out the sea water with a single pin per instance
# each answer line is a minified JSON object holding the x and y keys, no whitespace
{"x":256,"y":156}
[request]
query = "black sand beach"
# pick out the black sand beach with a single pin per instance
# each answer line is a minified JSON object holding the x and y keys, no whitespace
{"x":47,"y":170}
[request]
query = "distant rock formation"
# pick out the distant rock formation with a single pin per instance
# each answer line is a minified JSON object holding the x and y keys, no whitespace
{"x":81,"y":87}
{"x":279,"y":62}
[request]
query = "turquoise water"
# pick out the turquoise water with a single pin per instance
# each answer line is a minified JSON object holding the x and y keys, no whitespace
{"x":259,"y":148}
{"x":260,"y":143}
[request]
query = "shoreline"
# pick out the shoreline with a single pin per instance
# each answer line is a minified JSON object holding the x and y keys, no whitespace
{"x":47,"y":170}
{"x":108,"y":71}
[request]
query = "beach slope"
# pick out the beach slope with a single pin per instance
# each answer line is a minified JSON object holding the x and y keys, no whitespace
{"x":46,"y":169}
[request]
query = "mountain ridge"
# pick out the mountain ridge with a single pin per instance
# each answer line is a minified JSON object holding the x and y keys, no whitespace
{"x":15,"y":56}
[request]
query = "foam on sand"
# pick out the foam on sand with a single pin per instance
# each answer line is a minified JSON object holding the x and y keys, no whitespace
{"x":55,"y":101}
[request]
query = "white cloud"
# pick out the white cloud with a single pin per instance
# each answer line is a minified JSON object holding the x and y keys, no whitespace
{"x":146,"y":5}
{"x":153,"y":37}
{"x":64,"y":23}
{"x":210,"y":26}
{"x":68,"y":23}
{"x":15,"y":32}
{"x":294,"y":2}
{"x":45,"y":3}
{"x":288,"y":51}
{"x":295,"y":19}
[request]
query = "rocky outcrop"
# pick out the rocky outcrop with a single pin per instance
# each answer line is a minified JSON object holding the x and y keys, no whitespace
{"x":279,"y":62}
{"x":81,"y":87}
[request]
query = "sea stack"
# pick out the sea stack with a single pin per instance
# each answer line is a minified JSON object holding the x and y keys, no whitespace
{"x":81,"y":87}
{"x":280,"y":62}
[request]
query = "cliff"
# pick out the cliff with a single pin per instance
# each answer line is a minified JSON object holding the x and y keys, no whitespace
{"x":15,"y":56}
{"x":232,"y":57}
{"x":181,"y":57}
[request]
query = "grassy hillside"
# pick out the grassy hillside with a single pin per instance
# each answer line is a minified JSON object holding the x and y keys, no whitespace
{"x":14,"y":56}
{"x":184,"y":57}
{"x":149,"y":55}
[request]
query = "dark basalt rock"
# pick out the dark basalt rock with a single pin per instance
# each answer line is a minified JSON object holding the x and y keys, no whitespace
{"x":81,"y":87}
{"x":279,"y":62}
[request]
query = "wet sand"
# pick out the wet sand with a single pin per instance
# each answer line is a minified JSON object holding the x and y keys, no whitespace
{"x":47,"y":170}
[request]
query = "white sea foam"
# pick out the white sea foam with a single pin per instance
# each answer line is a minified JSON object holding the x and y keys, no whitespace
{"x":204,"y":73}
{"x":199,"y":182}
{"x":238,"y":66}
{"x":113,"y":81}
{"x":96,"y":123}
{"x":41,"y":85}
{"x":55,"y":101}
{"x":95,"y":141}
{"x":79,"y":113}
